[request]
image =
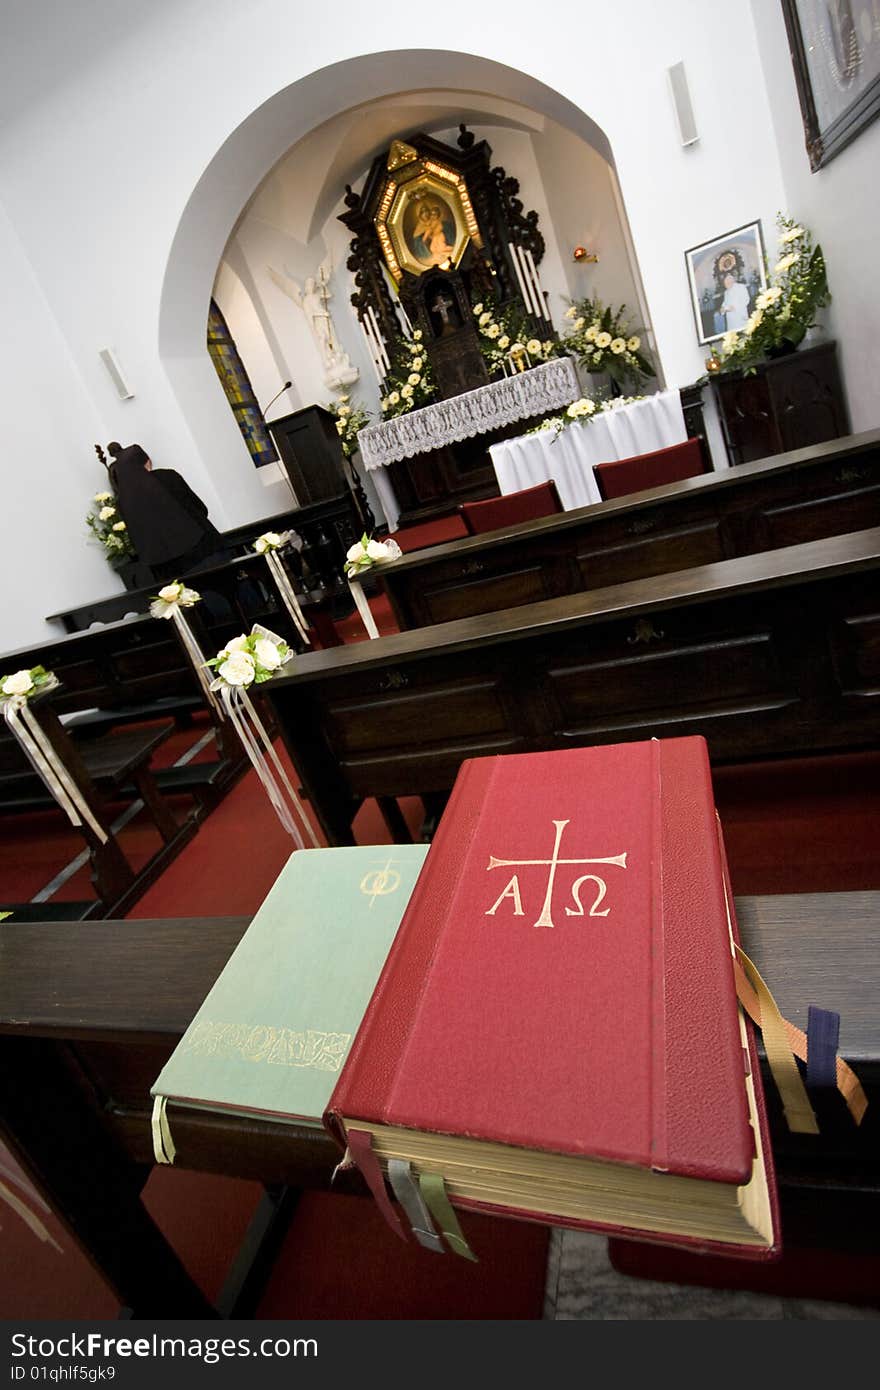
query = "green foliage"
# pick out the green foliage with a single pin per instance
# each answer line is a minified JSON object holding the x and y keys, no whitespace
{"x":797,"y":287}
{"x":410,"y":382}
{"x":603,"y":340}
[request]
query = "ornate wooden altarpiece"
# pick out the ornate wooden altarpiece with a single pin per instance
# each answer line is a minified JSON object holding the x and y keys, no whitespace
{"x":434,"y":230}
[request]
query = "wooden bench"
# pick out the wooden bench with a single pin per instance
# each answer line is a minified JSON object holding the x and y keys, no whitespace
{"x":90,"y":1012}
{"x":770,"y":655}
{"x":821,"y":491}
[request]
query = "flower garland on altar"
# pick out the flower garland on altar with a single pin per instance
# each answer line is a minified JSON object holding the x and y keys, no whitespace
{"x":581,"y":412}
{"x":603,"y":341}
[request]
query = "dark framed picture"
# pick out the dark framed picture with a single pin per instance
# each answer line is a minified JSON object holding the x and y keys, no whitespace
{"x":726,"y":275}
{"x":835,"y":49}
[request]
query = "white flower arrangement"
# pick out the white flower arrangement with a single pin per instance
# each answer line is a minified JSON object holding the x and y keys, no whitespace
{"x":603,"y":341}
{"x":249,"y":659}
{"x":108,"y":527}
{"x":409,"y":381}
{"x":366,"y":553}
{"x":350,"y":420}
{"x":506,"y":334}
{"x":27,"y":682}
{"x":271,"y":540}
{"x":172,"y":597}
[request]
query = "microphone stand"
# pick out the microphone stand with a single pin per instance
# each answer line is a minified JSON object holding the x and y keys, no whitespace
{"x":286,"y":387}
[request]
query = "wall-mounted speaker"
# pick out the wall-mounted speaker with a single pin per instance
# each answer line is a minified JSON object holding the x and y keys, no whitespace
{"x":123,"y":390}
{"x":681,"y":101}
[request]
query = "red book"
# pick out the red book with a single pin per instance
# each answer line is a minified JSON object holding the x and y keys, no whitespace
{"x":556,"y":1030}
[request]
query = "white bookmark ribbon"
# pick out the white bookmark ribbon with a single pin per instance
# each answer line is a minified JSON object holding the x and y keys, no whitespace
{"x":285,"y":589}
{"x":363,"y":607}
{"x":25,"y":728}
{"x":250,"y":730}
{"x":30,"y":1218}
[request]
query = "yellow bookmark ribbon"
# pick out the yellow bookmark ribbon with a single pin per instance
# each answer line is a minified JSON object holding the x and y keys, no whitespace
{"x":163,"y":1145}
{"x":30,"y":1218}
{"x":782,"y":1043}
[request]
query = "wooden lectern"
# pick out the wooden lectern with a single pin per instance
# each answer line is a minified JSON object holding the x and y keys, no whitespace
{"x":311,"y":454}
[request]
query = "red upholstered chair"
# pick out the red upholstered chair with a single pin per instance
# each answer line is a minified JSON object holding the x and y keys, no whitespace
{"x":622,"y":476}
{"x":495,"y":512}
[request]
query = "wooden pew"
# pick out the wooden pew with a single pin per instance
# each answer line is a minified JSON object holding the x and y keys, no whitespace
{"x":90,"y":1012}
{"x":801,"y":496}
{"x":769,"y":655}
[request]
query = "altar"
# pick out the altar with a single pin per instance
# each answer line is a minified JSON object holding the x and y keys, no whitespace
{"x":623,"y":431}
{"x":449,"y":435}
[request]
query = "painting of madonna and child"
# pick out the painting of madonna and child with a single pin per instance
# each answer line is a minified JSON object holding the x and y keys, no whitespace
{"x":726,"y":276}
{"x":429,"y":229}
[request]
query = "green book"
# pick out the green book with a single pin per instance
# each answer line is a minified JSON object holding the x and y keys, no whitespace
{"x":274,"y":1031}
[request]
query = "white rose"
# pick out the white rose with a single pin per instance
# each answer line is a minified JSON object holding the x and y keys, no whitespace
{"x":485,"y":318}
{"x":103,"y":496}
{"x":119,"y":526}
{"x":418,"y":335}
{"x":105,"y":513}
{"x":237,"y":669}
{"x":504,"y":341}
{"x":533,"y":346}
{"x":376,"y":550}
{"x":267,"y":654}
{"x":417,"y":364}
{"x":603,"y":340}
{"x":237,"y":644}
{"x":406,"y":391}
{"x":414,"y":378}
{"x":171,"y":592}
{"x":634,"y":343}
{"x":355,"y":552}
{"x":493,"y":330}
{"x":618,"y":345}
{"x":18,"y":684}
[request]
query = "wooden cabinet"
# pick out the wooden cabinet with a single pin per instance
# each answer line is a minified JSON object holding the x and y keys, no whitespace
{"x":787,"y":403}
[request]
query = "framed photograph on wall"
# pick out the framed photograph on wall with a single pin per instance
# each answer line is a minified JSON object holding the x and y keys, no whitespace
{"x":835,"y":49}
{"x":726,"y":275}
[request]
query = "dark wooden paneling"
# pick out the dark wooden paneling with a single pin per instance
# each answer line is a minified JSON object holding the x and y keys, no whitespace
{"x":768,"y":654}
{"x":823,"y":491}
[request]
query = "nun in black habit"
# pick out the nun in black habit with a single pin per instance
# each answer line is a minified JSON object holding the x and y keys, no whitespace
{"x":167,"y":521}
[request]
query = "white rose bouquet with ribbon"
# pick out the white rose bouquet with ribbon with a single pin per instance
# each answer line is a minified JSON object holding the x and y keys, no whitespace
{"x":15,"y":692}
{"x":268,"y":544}
{"x":360,"y":557}
{"x":251,"y":659}
{"x":172,"y":598}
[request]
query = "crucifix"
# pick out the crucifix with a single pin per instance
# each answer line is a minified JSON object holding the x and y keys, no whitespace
{"x":545,"y":919}
{"x":442,"y":304}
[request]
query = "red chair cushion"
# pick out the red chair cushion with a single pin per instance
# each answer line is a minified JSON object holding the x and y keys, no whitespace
{"x":623,"y":476}
{"x":495,"y":512}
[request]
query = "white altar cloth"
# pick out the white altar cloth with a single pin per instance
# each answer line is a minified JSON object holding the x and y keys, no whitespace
{"x":568,"y":458}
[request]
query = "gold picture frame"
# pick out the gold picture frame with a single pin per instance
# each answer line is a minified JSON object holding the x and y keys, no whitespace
{"x":425,"y":219}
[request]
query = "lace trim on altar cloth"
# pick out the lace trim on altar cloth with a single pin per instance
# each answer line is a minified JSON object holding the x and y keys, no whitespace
{"x":535,"y":392}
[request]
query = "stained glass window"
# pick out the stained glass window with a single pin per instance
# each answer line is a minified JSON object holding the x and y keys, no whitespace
{"x":239,"y":392}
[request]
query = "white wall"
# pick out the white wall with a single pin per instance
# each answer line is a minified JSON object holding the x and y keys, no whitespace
{"x":123,"y":180}
{"x":840,"y":203}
